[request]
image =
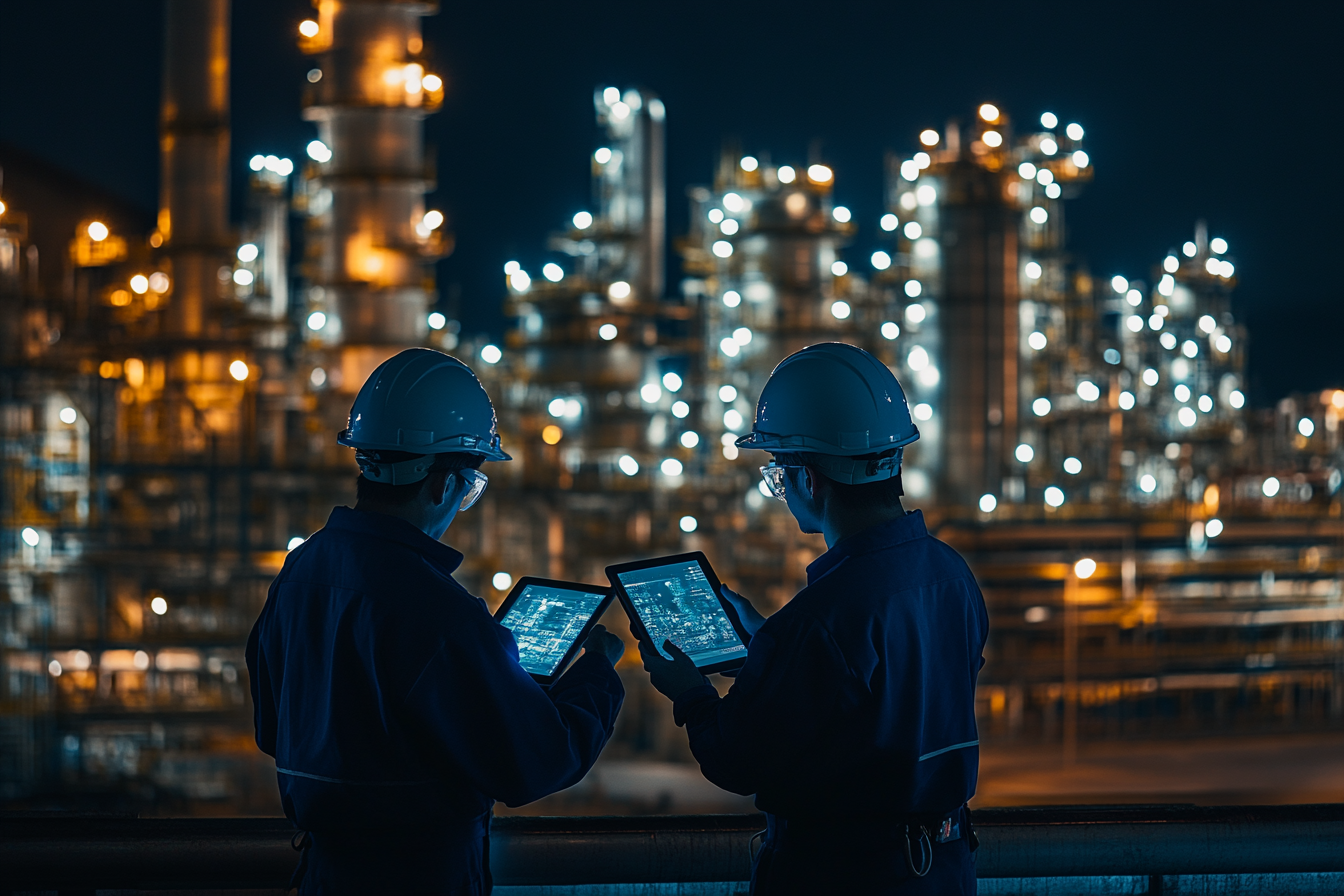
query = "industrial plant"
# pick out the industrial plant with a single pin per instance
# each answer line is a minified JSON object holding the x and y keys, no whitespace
{"x":1160,"y":559}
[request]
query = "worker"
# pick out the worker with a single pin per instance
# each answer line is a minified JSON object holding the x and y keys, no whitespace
{"x":853,"y":718}
{"x":393,"y":703}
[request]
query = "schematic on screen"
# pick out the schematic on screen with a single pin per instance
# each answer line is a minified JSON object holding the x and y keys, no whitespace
{"x":678,"y":604}
{"x":545,"y":623}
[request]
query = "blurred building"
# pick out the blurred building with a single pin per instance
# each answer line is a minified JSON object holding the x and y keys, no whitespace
{"x":1158,"y":558}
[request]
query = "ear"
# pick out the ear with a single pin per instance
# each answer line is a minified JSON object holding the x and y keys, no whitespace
{"x":436,"y":486}
{"x":810,"y":482}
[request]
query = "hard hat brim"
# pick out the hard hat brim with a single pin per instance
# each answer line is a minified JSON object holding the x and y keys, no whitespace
{"x":462,"y":444}
{"x":767,"y":441}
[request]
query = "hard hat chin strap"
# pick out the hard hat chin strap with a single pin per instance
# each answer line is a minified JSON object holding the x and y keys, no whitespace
{"x":403,"y":472}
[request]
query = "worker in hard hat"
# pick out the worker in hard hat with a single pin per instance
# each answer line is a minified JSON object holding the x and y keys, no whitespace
{"x":394,"y":705}
{"x":853,"y":719}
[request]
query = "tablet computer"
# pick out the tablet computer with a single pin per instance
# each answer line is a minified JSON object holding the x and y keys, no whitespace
{"x":677,"y":599}
{"x":550,"y":621}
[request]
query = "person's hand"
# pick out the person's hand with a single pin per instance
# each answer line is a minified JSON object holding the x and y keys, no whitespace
{"x":751,"y":620}
{"x":604,"y":643}
{"x":673,"y":677}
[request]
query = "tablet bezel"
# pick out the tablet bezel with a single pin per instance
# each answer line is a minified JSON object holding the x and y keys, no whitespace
{"x":642,"y":633}
{"x":517,"y":592}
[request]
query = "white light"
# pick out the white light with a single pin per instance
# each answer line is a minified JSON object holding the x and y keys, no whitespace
{"x":1126,"y":400}
{"x":1134,"y":323}
{"x":1155,"y":321}
{"x":680,"y":409}
{"x":989,"y":112}
{"x":1171,"y":264}
{"x":912,"y":230}
{"x":1208,"y":324}
{"x":1205,"y":404}
{"x":1039,"y":215}
{"x":742,"y":336}
{"x":1032,"y":270}
{"x":607,"y":332}
{"x":992,"y":139}
{"x":247,"y":252}
{"x":1040,"y":407}
{"x":729,"y":346}
{"x":433,"y":219}
{"x":1166,"y":286}
{"x":918,"y":358}
{"x":819,"y":174}
{"x":764,"y":490}
{"x":732,"y":298}
{"x":243,"y":277}
{"x":912,"y":289}
{"x":295,"y":542}
{"x":690,"y":438}
{"x":629,"y":466}
{"x":1213,"y":528}
{"x":841,"y":214}
{"x":671,"y":466}
{"x":553,"y":272}
{"x":890,"y":330}
{"x":1088,"y":391}
{"x":1189,"y":249}
{"x":1182,"y":392}
{"x":285,"y":168}
{"x":732,"y":419}
{"x":1073,"y":466}
{"x":1045,"y":177}
{"x":1236,"y":399}
{"x":573,"y":408}
{"x":318,"y":378}
{"x":1027,"y":171}
{"x":722,"y":248}
{"x":1037,"y":340}
{"x":988,"y":503}
{"x":672,"y":381}
{"x":54,"y":667}
{"x":928,"y":137}
{"x":651,"y":392}
{"x":839,"y":269}
{"x":889,"y":222}
{"x":748,"y":163}
{"x":1075,"y":131}
{"x":1081,"y":159}
{"x":688,"y":524}
{"x":1150,"y":377}
{"x":1226,"y":270}
{"x":1187,"y":417}
{"x":1223,"y":344}
{"x":1213,"y":266}
{"x":732,"y":202}
{"x":1024,"y":453}
{"x":929,"y":376}
{"x":620,"y":111}
{"x":556,"y":408}
{"x":1084,"y":568}
{"x":583,"y":220}
{"x":159,"y":606}
{"x":786,"y":174}
{"x":1306,"y":426}
{"x":317,"y":320}
{"x":511,"y":268}
{"x":1053,"y":191}
{"x":1270,"y":487}
{"x":30,"y":536}
{"x":1054,"y":496}
{"x":922,"y":159}
{"x":619,"y":290}
{"x":840,"y":310}
{"x":1049,"y":120}
{"x":1218,"y":246}
{"x":520,"y":280}
{"x":317,"y":151}
{"x":926,"y":195}
{"x":257,"y":163}
{"x":1147,"y":484}
{"x":729,"y":227}
{"x":1190,"y":348}
{"x":1048,"y":146}
{"x":602,"y":156}
{"x":68,"y":415}
{"x":436,"y":320}
{"x":908,"y":201}
{"x":1119,"y":284}
{"x":491,"y":354}
{"x":923,"y":411}
{"x":881,"y":260}
{"x":501,"y":581}
{"x":727,"y":393}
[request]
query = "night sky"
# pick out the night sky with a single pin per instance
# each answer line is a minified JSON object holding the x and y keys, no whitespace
{"x":1225,"y":111}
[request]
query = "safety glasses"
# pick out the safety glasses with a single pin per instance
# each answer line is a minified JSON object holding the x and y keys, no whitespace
{"x":774,"y":475}
{"x":476,"y":483}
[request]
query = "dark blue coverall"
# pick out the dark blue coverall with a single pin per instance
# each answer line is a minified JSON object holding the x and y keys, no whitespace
{"x":855,"y":715}
{"x":397,"y":712}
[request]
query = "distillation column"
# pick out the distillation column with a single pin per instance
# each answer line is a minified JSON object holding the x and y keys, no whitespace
{"x":369,"y":98}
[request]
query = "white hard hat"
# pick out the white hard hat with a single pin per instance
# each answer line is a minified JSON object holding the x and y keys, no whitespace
{"x":422,"y":402}
{"x":837,"y":400}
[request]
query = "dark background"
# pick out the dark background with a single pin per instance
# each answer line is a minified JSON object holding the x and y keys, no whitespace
{"x":1225,"y":111}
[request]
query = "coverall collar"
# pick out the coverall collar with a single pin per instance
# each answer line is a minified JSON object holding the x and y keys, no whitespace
{"x":390,"y":528}
{"x":883,"y":535}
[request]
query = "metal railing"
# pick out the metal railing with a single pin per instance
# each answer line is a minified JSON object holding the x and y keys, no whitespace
{"x":1261,"y":849}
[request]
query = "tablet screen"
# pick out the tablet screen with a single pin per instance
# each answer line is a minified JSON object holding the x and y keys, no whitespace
{"x":677,"y":603}
{"x":546,"y":621}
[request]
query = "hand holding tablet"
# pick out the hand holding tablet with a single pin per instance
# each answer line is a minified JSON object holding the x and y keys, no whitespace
{"x":550,"y":621}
